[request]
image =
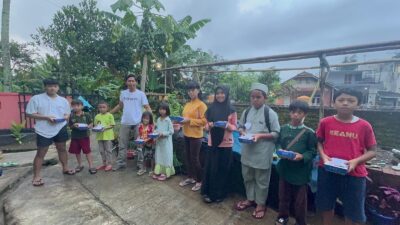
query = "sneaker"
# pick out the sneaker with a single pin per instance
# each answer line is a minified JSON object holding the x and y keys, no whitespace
{"x":108,"y":168}
{"x":155,"y":176}
{"x":102,"y":167}
{"x":141,"y":172}
{"x":119,"y":167}
{"x":187,"y":182}
{"x":196,"y":187}
{"x":282,"y":221}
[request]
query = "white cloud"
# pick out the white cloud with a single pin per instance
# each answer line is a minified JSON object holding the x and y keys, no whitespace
{"x":253,"y":6}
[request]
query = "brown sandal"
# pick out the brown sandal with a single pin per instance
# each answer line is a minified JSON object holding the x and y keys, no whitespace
{"x":256,"y":211}
{"x":38,"y":182}
{"x":69,"y":172}
{"x":242,"y":205}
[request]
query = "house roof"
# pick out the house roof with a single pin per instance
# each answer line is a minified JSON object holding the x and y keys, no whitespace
{"x":388,"y":94}
{"x":305,"y":74}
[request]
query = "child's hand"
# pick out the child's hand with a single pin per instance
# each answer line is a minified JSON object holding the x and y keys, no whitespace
{"x":51,"y":119}
{"x":185,"y":120}
{"x":210,"y":124}
{"x":76,"y":125}
{"x":242,"y":132}
{"x":352,"y":165}
{"x":90,"y":126}
{"x":325,"y":158}
{"x":257,"y":137}
{"x":298,"y":157}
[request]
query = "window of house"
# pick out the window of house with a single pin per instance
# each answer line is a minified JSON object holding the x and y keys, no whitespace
{"x":347,"y":78}
{"x":358,"y":77}
{"x":316,"y":100}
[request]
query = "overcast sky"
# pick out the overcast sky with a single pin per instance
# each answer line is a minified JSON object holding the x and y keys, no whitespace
{"x":249,"y":28}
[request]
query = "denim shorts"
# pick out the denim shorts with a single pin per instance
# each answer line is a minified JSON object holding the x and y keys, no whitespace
{"x":349,"y":189}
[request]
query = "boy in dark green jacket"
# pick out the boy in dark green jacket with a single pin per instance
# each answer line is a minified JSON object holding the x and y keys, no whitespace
{"x":295,"y":173}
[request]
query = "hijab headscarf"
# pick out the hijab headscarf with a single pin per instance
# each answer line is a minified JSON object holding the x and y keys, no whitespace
{"x":219,"y":111}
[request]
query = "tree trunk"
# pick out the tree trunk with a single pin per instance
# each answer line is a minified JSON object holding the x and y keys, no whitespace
{"x":5,"y":44}
{"x":144,"y":74}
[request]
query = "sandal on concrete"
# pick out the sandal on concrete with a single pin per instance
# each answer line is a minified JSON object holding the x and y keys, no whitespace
{"x":69,"y":172}
{"x":38,"y":182}
{"x":92,"y":170}
{"x":242,"y":205}
{"x":78,"y":169}
{"x":186,"y":182}
{"x":257,"y":211}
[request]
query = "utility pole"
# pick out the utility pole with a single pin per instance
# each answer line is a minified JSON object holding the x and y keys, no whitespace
{"x":5,"y":45}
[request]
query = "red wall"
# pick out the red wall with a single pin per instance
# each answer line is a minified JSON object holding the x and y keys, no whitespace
{"x":9,"y":109}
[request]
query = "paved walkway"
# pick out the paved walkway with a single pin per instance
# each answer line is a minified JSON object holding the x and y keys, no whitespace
{"x":118,"y":198}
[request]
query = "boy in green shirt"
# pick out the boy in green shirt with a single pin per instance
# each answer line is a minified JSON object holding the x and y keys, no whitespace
{"x":105,"y":121}
{"x":80,"y":123}
{"x":295,"y":173}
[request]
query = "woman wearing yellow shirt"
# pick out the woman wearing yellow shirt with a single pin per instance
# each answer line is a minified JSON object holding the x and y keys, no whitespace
{"x":193,"y":125}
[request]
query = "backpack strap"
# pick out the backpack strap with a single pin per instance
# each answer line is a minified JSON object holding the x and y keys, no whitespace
{"x":266,"y":116}
{"x":245,"y":115}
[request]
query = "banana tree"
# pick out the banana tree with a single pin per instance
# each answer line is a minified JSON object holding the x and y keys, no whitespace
{"x":157,"y":35}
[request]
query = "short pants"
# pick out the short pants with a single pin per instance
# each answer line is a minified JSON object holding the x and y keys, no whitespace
{"x":79,"y":144}
{"x":61,"y":136}
{"x":349,"y":189}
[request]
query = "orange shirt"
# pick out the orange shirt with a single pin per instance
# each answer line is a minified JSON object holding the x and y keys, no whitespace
{"x":194,"y":111}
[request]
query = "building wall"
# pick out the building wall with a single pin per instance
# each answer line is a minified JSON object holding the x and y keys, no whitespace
{"x":9,"y":109}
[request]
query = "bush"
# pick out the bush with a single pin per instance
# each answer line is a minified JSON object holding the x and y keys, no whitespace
{"x":16,"y":131}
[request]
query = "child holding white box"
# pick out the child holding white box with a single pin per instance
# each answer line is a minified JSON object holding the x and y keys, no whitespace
{"x":347,"y":137}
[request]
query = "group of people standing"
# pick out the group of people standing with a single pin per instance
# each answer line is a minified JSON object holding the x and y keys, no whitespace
{"x":259,"y":122}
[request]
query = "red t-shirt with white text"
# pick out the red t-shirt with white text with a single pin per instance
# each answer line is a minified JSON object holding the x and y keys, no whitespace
{"x":346,"y":140}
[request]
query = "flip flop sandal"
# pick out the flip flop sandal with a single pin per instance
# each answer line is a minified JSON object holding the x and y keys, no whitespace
{"x":69,"y":172}
{"x":240,"y":206}
{"x":186,"y":182}
{"x":78,"y":169}
{"x":256,"y":211}
{"x":92,"y":170}
{"x":162,"y":177}
{"x":282,"y":221}
{"x":141,"y":172}
{"x":38,"y":183}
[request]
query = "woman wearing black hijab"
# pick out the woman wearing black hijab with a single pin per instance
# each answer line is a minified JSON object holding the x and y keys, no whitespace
{"x":220,"y":142}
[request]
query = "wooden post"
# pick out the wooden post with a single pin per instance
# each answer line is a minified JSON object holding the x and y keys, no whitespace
{"x":165,"y":77}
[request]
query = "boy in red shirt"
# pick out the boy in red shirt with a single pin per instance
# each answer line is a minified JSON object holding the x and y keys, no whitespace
{"x":346,"y":137}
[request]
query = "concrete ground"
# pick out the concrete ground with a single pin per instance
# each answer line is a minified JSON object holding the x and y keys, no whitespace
{"x":119,"y":198}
